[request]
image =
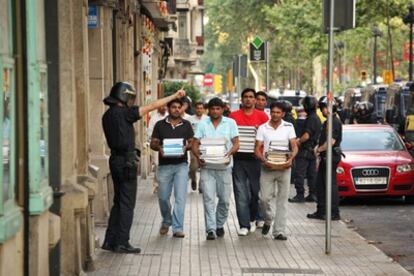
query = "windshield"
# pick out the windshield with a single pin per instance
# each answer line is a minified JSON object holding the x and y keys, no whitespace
{"x":368,"y":140}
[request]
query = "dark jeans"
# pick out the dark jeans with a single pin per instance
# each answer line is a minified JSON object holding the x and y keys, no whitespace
{"x":125,"y":190}
{"x":321,"y":187}
{"x":246,"y":186}
{"x":305,"y":167}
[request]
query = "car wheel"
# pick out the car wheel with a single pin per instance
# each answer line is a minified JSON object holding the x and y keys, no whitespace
{"x":409,"y":199}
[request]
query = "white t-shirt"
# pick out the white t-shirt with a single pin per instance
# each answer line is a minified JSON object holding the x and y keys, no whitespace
{"x":279,"y":137}
{"x":194,"y":120}
{"x":155,"y":117}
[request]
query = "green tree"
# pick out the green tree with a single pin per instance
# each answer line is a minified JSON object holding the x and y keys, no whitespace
{"x":170,"y":87}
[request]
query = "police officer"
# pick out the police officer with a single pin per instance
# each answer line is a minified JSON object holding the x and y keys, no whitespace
{"x":336,"y":157}
{"x":120,"y":135}
{"x":365,"y":113}
{"x":305,"y":162}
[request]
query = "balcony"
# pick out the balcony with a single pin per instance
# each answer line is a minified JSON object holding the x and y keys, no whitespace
{"x":183,"y":50}
{"x":183,"y":5}
{"x":159,"y":11}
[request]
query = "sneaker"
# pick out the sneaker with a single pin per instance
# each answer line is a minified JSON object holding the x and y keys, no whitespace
{"x":260,"y":223}
{"x":297,"y":199}
{"x":316,"y":215}
{"x":280,"y":237}
{"x":211,"y":236}
{"x":220,"y":232}
{"x":179,"y":234}
{"x":265,"y":229}
{"x":252,"y":226}
{"x":193,"y":185}
{"x":243,"y":231}
{"x":310,"y":198}
{"x":164,"y":230}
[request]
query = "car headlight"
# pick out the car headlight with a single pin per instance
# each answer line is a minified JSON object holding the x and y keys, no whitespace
{"x":405,"y":168}
{"x":340,"y":170}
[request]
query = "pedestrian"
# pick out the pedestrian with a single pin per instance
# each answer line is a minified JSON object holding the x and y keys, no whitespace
{"x":119,"y":131}
{"x":157,"y":116}
{"x":305,"y":162}
{"x":336,"y":158}
{"x":194,"y":166}
{"x":275,"y":180}
{"x":216,"y":182}
{"x":172,"y":170}
{"x":246,"y":170}
{"x":261,"y":102}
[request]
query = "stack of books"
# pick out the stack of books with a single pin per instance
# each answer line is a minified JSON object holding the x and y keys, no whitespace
{"x":173,"y":147}
{"x":213,"y":151}
{"x":247,"y":138}
{"x":276,"y":155}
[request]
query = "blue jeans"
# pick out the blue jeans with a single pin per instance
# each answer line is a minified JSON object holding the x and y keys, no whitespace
{"x":215,"y":183}
{"x":246,"y":186}
{"x":170,"y":176}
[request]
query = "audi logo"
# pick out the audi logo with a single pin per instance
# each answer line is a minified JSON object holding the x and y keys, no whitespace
{"x":370,"y":172}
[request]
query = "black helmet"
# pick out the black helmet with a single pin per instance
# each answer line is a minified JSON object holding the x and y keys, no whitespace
{"x":287,"y":106}
{"x":120,"y":92}
{"x":310,"y":104}
{"x":323,"y":102}
{"x":364,"y":109}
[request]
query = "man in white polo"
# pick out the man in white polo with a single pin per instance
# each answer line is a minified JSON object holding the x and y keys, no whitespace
{"x":275,"y":179}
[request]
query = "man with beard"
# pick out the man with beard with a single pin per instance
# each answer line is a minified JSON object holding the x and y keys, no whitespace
{"x":172,"y":171}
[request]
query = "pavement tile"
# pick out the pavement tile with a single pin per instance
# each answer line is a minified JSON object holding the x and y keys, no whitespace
{"x":302,"y":254}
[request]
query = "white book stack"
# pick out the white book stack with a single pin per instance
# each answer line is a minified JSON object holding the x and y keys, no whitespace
{"x":213,"y":152}
{"x":276,"y":155}
{"x":173,"y":147}
{"x":247,"y":138}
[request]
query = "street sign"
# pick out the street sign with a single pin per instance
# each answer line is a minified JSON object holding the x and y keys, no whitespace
{"x":208,"y":80}
{"x":218,"y":84}
{"x":344,"y":11}
{"x":93,"y":18}
{"x":257,"y":50}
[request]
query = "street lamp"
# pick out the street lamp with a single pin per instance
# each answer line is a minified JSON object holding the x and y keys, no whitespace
{"x":376,"y":32}
{"x":409,"y":20}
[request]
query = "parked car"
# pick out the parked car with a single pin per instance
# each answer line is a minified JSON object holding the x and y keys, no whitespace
{"x":376,"y":163}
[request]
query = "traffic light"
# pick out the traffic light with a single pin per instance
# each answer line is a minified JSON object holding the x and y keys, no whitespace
{"x":230,"y":84}
{"x":364,"y":75}
{"x":387,"y":77}
{"x":218,"y":85}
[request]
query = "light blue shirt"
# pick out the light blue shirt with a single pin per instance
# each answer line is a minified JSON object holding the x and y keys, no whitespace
{"x":227,"y":128}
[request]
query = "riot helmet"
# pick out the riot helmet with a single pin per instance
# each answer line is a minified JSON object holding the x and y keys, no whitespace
{"x":364,"y":109}
{"x":121,"y":92}
{"x":323,"y":102}
{"x":287,"y":106}
{"x":310,"y":103}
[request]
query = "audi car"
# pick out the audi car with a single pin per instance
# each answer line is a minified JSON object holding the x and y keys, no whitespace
{"x":376,"y":163}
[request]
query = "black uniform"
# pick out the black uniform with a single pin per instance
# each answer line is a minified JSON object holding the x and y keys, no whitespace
{"x":336,"y":158}
{"x":305,"y":161}
{"x":120,"y":134}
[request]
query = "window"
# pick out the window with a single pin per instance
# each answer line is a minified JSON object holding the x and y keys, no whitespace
{"x":381,"y":140}
{"x":182,"y":25}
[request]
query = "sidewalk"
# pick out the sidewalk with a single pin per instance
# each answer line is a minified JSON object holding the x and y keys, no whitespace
{"x":302,"y":254}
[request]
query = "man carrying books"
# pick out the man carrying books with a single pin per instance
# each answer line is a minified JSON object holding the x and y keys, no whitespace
{"x":218,"y":136}
{"x":275,"y":137}
{"x":172,"y":138}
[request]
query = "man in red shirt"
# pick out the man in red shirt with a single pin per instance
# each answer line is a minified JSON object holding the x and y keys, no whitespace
{"x":246,"y":169}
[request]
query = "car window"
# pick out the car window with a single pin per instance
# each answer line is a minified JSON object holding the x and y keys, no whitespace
{"x":382,"y":140}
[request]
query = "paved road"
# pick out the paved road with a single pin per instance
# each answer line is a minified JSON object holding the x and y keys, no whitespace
{"x":386,"y":222}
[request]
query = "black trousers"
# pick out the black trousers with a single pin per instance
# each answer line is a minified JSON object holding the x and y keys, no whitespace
{"x":321,"y":187}
{"x":246,"y":186}
{"x":305,"y":167}
{"x":125,"y":191}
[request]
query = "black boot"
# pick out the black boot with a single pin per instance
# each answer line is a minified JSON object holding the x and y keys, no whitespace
{"x":127,"y":248}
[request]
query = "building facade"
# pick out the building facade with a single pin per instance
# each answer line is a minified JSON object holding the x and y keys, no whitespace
{"x":58,"y":60}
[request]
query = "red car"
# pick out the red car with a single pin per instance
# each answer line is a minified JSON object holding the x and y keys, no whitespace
{"x":376,"y":163}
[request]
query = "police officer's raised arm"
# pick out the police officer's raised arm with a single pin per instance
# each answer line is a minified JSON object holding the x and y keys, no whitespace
{"x":158,"y":103}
